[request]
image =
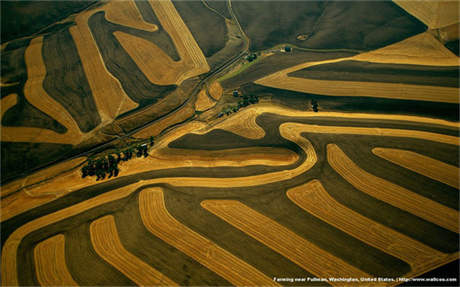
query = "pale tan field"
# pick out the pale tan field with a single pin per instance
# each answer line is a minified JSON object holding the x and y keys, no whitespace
{"x":23,"y":201}
{"x":297,"y":249}
{"x":434,"y":13}
{"x":203,"y":102}
{"x":424,"y":165}
{"x":50,"y":265}
{"x":107,"y":244}
{"x":421,"y":49}
{"x":9,"y":267}
{"x":391,"y":193}
{"x":156,"y":128}
{"x":38,"y":97}
{"x":44,"y":174}
{"x":127,"y":14}
{"x":364,"y":89}
{"x":186,"y":46}
{"x":215,"y":90}
{"x":159,"y":222}
{"x":109,"y":96}
{"x":314,"y":199}
{"x":242,"y":123}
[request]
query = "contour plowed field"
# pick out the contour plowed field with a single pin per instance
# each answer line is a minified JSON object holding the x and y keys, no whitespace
{"x":234,"y":203}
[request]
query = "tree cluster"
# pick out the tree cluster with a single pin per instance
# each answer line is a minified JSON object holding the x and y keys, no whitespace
{"x":251,"y":57}
{"x":314,"y":105}
{"x":243,"y":102}
{"x":107,"y":166}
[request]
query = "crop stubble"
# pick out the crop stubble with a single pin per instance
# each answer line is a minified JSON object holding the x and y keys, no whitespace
{"x":50,"y":265}
{"x":282,"y":240}
{"x":106,"y":242}
{"x":159,"y":222}
{"x":313,"y":198}
{"x":391,"y":193}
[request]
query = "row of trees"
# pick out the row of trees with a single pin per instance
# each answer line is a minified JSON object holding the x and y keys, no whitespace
{"x":107,"y":166}
{"x":243,"y":102}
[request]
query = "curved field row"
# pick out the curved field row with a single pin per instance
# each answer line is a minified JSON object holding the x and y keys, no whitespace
{"x":50,"y":265}
{"x":297,"y":249}
{"x":38,"y":97}
{"x":242,"y":123}
{"x":21,"y":202}
{"x":9,"y":267}
{"x":390,"y":192}
{"x":126,"y":13}
{"x":186,"y":46}
{"x":109,"y":96}
{"x":203,"y":102}
{"x":159,"y":222}
{"x":421,"y":49}
{"x":363,"y":89}
{"x":313,"y":198}
{"x":421,"y":164}
{"x":105,"y":240}
{"x":435,"y":14}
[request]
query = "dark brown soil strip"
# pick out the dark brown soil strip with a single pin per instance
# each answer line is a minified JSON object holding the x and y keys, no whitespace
{"x":18,"y":157}
{"x":22,"y":18}
{"x":367,"y":258}
{"x":208,"y":28}
{"x":385,"y":73}
{"x":165,"y":258}
{"x":66,"y":81}
{"x":184,"y":205}
{"x":161,"y":38}
{"x":359,"y":25}
{"x":413,"y":181}
{"x":302,"y":101}
{"x":120,"y":64}
{"x":278,"y":62}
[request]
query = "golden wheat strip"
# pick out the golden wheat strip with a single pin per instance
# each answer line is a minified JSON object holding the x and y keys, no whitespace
{"x":434,"y":13}
{"x":160,"y":69}
{"x":126,"y":13}
{"x":391,"y":193}
{"x":182,"y":38}
{"x":297,"y":249}
{"x":243,"y":124}
{"x":38,"y":97}
{"x":421,"y":49}
{"x":24,"y":200}
{"x":50,"y":265}
{"x":203,"y":102}
{"x":109,"y":96}
{"x":215,"y":90}
{"x":313,"y":198}
{"x":106,"y":242}
{"x":424,"y":165}
{"x":9,"y":267}
{"x":159,"y":222}
{"x":365,"y":89}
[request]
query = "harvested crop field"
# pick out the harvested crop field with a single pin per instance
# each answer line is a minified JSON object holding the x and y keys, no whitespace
{"x":391,"y":193}
{"x":104,"y":236}
{"x":257,"y":195}
{"x":50,"y":263}
{"x":313,"y":198}
{"x":424,"y":165}
{"x":129,"y":159}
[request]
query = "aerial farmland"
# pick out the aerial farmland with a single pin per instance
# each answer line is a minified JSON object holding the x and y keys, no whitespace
{"x":230,"y":143}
